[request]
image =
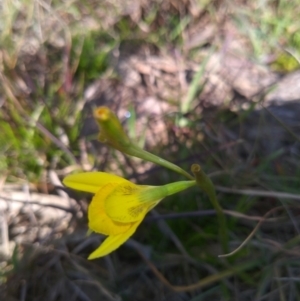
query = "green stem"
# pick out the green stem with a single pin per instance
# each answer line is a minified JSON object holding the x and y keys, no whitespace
{"x":135,"y":151}
{"x":156,"y":193}
{"x":205,"y":183}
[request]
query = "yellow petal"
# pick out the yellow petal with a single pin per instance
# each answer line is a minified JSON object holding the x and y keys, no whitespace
{"x":112,"y":242}
{"x":98,"y":219}
{"x":91,"y":181}
{"x":123,"y":203}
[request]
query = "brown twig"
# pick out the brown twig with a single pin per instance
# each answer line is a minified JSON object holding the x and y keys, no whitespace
{"x":253,"y":232}
{"x":200,"y":284}
{"x":254,"y":192}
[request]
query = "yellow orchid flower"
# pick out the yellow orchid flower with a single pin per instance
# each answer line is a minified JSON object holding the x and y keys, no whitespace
{"x":118,"y":206}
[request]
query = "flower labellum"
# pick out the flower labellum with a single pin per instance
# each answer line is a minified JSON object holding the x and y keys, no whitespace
{"x":118,"y":206}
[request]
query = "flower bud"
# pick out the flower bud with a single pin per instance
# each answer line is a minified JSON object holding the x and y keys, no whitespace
{"x":111,"y":130}
{"x":112,"y":134}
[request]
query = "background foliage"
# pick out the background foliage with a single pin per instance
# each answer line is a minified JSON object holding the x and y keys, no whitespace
{"x":208,"y":82}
